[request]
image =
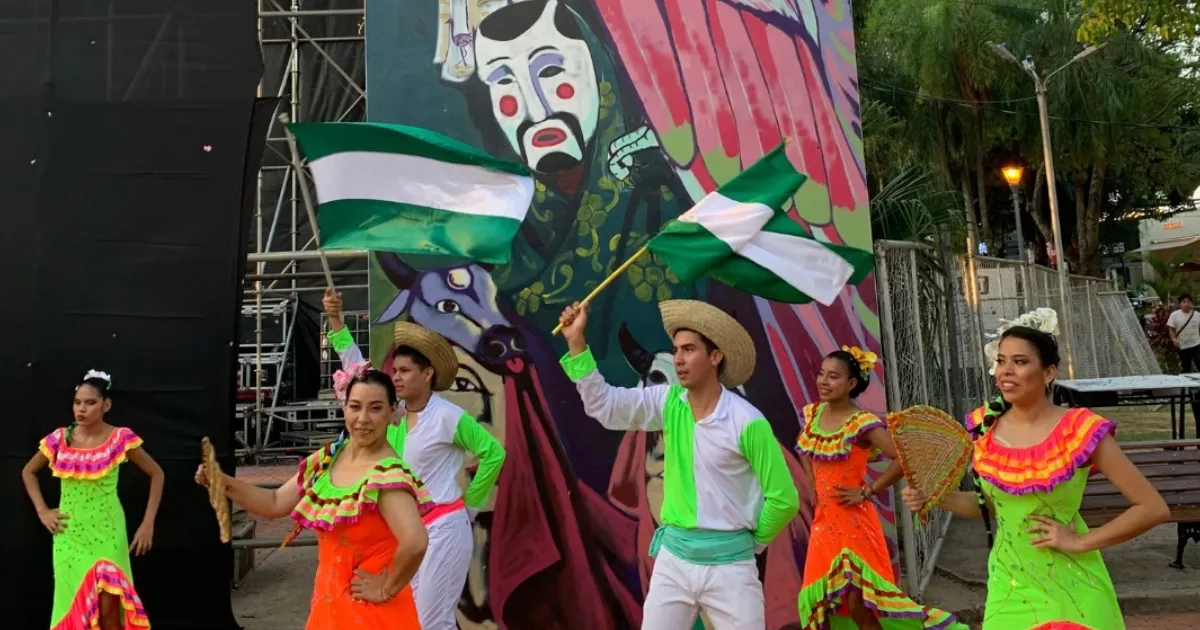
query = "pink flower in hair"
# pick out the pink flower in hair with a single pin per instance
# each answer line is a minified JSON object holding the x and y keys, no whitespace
{"x":342,"y":379}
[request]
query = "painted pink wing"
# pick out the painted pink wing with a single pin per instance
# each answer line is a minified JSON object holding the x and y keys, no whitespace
{"x":724,"y":81}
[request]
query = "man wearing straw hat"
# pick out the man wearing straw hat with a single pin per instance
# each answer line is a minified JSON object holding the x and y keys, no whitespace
{"x":727,"y":489}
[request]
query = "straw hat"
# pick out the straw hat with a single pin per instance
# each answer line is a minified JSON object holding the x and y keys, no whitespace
{"x":722,"y":329}
{"x":435,"y":348}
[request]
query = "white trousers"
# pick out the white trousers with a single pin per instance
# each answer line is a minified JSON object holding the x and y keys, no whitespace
{"x":438,"y":584}
{"x":730,"y":595}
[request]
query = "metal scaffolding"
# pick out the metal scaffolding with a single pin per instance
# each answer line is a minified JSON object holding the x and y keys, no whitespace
{"x":314,"y":61}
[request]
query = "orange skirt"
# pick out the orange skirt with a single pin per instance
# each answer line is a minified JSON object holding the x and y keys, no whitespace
{"x":367,"y":544}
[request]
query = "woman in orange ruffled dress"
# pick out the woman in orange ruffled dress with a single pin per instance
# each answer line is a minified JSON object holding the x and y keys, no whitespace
{"x":365,"y":506}
{"x":848,"y":578}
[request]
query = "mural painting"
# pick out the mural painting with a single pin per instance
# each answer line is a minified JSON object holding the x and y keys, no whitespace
{"x":626,"y":112}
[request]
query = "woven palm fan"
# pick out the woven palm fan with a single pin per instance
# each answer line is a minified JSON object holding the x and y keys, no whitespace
{"x":216,"y":490}
{"x":934,"y":448}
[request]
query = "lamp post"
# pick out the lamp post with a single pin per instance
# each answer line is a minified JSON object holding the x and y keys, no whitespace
{"x":1064,"y":282}
{"x":1012,"y":175}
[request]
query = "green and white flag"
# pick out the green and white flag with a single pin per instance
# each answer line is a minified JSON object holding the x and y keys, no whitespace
{"x":412,"y":191}
{"x":740,"y":236}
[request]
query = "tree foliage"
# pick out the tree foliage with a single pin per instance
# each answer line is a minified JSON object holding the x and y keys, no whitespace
{"x":1168,"y":19}
{"x":938,"y":99}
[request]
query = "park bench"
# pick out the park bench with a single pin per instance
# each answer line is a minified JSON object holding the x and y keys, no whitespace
{"x":243,"y":559}
{"x":1173,"y":467}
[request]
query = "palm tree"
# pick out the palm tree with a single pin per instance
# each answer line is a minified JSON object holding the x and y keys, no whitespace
{"x":1169,"y":280}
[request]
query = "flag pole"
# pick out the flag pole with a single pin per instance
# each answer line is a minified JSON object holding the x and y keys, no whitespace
{"x":298,"y":165}
{"x":607,"y":281}
{"x":620,"y":270}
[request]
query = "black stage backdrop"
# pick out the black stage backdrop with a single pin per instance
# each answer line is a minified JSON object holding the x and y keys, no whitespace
{"x":131,"y":137}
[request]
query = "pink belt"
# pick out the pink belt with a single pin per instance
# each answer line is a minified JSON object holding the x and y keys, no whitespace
{"x":442,"y":509}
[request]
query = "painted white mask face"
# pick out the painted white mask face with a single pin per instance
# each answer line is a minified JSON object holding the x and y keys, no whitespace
{"x":542,"y":82}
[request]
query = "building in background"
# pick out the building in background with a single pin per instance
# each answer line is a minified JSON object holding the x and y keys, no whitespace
{"x":1167,"y":239}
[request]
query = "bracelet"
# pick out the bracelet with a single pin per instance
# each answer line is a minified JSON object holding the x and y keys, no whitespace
{"x":867,"y":492}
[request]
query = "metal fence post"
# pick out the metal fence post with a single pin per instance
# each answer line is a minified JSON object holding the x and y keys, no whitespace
{"x":957,"y":407}
{"x":915,"y":296}
{"x":892,"y":387}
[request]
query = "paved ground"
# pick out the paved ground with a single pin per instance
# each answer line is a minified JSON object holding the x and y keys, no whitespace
{"x":1164,"y":622}
{"x":275,"y":596}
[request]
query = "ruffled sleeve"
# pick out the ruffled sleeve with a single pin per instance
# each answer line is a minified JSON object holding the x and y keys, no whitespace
{"x":860,"y":424}
{"x":67,"y":462}
{"x":806,"y":443}
{"x":324,"y":506}
{"x":818,"y":444}
{"x":1042,"y":467}
{"x":974,"y":420}
{"x":50,"y":445}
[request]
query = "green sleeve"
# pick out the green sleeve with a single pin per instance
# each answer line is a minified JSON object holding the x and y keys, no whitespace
{"x":471,"y":436}
{"x":781,"y":501}
{"x":579,"y":365}
{"x":341,"y":339}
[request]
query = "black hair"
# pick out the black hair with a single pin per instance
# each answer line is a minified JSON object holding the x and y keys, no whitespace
{"x":510,"y":22}
{"x":708,"y":344}
{"x":1046,"y":349}
{"x":412,"y":354}
{"x":862,"y":378}
{"x":1185,"y":296}
{"x":102,"y":386}
{"x":373,"y":377}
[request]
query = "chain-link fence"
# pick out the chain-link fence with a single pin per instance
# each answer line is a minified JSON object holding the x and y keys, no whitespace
{"x":935,"y":309}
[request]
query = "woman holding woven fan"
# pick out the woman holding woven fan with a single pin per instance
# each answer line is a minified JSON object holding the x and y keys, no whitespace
{"x":848,"y":570}
{"x":365,"y":506}
{"x":1032,"y":461}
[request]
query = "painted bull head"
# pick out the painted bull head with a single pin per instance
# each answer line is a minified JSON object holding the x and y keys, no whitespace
{"x":458,"y":302}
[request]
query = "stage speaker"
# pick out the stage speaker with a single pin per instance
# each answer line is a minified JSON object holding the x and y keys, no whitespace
{"x":132,"y":137}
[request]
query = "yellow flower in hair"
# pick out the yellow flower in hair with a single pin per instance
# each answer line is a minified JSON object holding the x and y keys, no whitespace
{"x":866,"y":359}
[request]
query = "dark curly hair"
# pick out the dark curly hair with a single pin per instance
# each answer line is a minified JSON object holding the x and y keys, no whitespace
{"x":861,"y":377}
{"x":1046,"y":349}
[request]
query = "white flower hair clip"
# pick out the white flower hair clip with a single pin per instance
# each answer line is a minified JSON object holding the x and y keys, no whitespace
{"x":104,"y":376}
{"x":1040,"y":319}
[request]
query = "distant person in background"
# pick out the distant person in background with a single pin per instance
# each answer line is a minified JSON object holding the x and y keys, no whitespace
{"x":93,"y":585}
{"x":1184,"y":328}
{"x":433,"y":436}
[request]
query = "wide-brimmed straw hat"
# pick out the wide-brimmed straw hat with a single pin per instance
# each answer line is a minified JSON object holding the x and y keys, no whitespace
{"x":720,"y":328}
{"x":435,"y":348}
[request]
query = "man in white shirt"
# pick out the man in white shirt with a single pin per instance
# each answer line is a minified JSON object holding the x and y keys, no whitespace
{"x":1184,"y":327}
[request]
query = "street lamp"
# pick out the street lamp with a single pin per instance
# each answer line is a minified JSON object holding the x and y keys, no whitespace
{"x":1064,"y":281}
{"x":1012,"y":175}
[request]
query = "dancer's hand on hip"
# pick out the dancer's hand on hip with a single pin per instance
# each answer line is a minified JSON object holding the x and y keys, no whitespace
{"x":1055,"y":535}
{"x":53,"y":520}
{"x":369,"y":587}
